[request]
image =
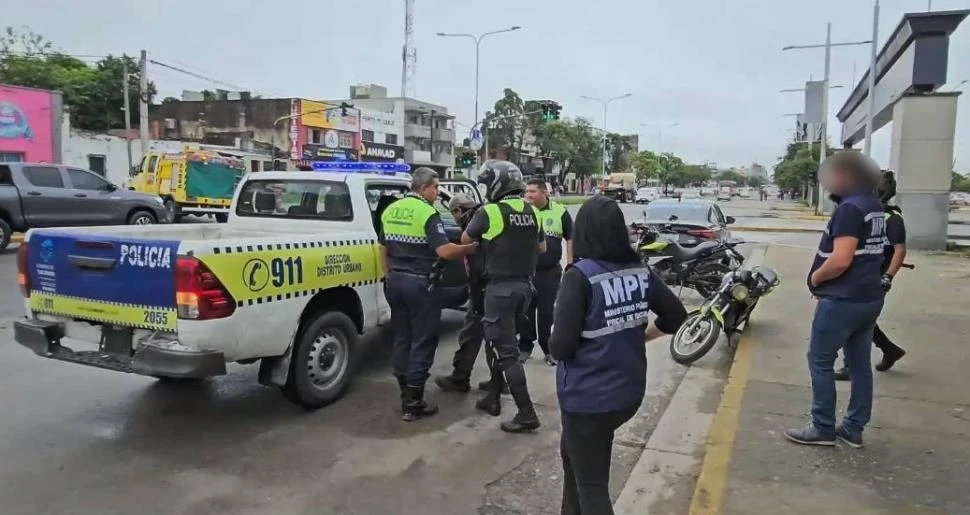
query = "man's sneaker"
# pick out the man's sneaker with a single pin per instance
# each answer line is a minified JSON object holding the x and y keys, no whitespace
{"x":451,"y":384}
{"x":842,"y":374}
{"x":810,"y":435}
{"x":853,"y":440}
{"x":889,"y":359}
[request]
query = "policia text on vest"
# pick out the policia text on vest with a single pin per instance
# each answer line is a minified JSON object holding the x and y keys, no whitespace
{"x":512,"y":239}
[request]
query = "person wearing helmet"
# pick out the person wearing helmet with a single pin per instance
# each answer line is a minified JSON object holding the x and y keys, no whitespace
{"x":846,"y":280}
{"x":463,"y":207}
{"x":512,"y":239}
{"x":412,"y":238}
{"x":895,"y":254}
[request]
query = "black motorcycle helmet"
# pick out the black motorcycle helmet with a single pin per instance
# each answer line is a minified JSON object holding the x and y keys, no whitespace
{"x":501,"y":179}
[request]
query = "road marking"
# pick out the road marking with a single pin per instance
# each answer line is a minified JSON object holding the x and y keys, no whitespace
{"x":709,"y":491}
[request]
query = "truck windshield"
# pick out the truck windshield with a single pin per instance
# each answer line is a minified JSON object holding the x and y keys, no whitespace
{"x":316,"y":200}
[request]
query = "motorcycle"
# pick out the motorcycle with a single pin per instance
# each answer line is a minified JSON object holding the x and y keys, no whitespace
{"x":699,"y":268}
{"x":727,"y":309}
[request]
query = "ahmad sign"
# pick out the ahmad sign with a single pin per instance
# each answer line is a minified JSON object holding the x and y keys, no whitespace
{"x":380,"y":152}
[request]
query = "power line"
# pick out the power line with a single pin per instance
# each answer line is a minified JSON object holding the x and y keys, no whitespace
{"x":197,"y":75}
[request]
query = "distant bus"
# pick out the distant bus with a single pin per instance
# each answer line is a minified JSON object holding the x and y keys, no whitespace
{"x":729,"y":187}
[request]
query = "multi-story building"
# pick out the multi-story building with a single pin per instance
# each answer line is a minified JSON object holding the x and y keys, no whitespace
{"x":291,"y":129}
{"x":427,"y":129}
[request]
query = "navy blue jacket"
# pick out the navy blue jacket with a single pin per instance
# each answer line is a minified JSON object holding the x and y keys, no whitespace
{"x":861,"y":216}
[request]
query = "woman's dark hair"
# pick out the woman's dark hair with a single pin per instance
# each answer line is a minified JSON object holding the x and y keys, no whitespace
{"x":600,"y":232}
{"x":886,"y":189}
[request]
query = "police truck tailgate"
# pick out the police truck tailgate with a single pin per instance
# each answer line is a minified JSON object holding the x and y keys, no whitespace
{"x":120,"y":281}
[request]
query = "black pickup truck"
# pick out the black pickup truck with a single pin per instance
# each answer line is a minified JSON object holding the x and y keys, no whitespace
{"x":38,"y":195}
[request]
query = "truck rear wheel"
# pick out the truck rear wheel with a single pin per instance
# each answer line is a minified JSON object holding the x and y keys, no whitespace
{"x":322,"y":361}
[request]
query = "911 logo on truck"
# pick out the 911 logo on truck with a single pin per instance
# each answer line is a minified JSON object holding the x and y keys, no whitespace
{"x":146,"y":256}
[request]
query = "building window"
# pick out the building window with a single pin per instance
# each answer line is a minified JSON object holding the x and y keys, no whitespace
{"x":11,"y":157}
{"x":96,"y":163}
{"x":413,"y":119}
{"x":346,"y":140}
{"x":367,"y":135}
{"x":315,"y":136}
{"x":390,"y":139}
{"x":424,"y":144}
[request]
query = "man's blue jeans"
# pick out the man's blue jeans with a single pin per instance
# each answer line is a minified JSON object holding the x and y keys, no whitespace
{"x":841,"y":324}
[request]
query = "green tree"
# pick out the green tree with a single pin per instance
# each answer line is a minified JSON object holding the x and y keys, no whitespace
{"x":755,"y":181}
{"x":618,"y":149}
{"x":646,"y":165}
{"x":94,"y":94}
{"x":798,"y":168}
{"x":505,"y":128}
{"x":731,"y":175}
{"x":960,"y":183}
{"x":670,"y":169}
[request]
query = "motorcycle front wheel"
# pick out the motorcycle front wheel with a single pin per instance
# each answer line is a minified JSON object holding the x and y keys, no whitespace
{"x":695,"y":338}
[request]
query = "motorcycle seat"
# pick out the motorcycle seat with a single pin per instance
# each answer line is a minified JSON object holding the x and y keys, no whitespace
{"x":688,"y":253}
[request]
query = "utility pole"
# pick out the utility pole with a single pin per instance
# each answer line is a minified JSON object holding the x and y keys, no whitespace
{"x":871,"y":97}
{"x":143,"y":102}
{"x":127,"y":107}
{"x":824,"y":133}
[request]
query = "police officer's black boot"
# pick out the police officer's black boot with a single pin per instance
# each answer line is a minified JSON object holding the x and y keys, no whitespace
{"x":402,"y":384}
{"x":416,"y":407}
{"x":526,"y":419}
{"x":453,"y":384}
{"x":492,"y":402}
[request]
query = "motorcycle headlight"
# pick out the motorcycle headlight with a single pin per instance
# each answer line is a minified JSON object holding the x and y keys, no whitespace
{"x":739,"y":292}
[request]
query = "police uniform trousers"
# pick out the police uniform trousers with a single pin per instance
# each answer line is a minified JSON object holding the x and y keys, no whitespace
{"x":471,"y":335}
{"x":538,"y":321}
{"x":506,"y":301}
{"x":415,"y":319}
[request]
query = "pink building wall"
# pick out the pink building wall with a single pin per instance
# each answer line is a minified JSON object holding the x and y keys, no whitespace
{"x":30,"y":123}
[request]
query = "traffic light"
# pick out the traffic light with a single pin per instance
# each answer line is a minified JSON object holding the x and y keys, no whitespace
{"x":468,"y":160}
{"x":550,"y":111}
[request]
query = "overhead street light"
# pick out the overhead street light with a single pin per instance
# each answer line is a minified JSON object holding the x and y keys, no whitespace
{"x":478,"y":44}
{"x":660,"y":132}
{"x":606,"y":104}
{"x":825,"y":96}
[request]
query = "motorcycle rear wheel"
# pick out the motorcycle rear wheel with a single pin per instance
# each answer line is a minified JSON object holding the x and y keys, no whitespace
{"x":695,"y":338}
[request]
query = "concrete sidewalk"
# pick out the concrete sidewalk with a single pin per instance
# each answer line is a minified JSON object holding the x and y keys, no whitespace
{"x":918,"y":443}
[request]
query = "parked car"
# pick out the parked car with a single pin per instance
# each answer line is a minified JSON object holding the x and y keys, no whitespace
{"x":39,"y":195}
{"x":695,"y":221}
{"x":724,"y":194}
{"x":647,"y":195}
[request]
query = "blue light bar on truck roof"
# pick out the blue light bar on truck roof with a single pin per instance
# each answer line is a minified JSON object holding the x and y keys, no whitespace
{"x":360,"y":167}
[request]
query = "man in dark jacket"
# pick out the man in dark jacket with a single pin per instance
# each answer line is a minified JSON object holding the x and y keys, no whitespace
{"x":470,"y":338}
{"x":846,"y":280}
{"x":894,"y":255}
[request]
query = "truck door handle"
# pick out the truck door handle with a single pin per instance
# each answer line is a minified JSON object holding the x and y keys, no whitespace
{"x":34,"y":193}
{"x":80,"y":195}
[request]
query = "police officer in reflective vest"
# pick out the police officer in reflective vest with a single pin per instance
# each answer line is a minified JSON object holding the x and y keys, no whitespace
{"x":412,"y":239}
{"x":558,"y":228}
{"x":599,"y":339}
{"x":512,"y":240}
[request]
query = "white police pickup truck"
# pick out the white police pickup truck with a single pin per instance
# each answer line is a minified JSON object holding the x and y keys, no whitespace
{"x":290,"y":281}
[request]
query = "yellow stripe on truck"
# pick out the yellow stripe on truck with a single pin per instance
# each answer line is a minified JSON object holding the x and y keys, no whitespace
{"x":131,"y":315}
{"x":262,"y":273}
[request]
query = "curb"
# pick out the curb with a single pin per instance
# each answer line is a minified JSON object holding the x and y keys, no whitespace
{"x":776,"y":229}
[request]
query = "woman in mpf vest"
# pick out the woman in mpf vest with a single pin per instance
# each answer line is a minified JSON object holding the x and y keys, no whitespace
{"x":600,"y":328}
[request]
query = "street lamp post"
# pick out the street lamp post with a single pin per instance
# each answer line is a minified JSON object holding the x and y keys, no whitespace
{"x":478,"y":44}
{"x":606,"y":105}
{"x":660,"y":132}
{"x":825,"y":97}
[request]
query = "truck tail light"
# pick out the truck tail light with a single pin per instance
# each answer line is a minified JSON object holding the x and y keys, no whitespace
{"x":707,"y":234}
{"x":23,"y":276}
{"x":199,"y":294}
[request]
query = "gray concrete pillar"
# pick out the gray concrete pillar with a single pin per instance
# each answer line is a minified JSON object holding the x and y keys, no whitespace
{"x":922,"y":157}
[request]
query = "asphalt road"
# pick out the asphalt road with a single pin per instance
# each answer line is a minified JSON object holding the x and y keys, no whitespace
{"x":78,"y":440}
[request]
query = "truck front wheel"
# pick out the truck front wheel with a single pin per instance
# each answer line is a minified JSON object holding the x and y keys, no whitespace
{"x":5,"y":234}
{"x":321,"y":364}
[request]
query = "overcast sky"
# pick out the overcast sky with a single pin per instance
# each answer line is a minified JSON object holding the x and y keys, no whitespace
{"x":712,"y":67}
